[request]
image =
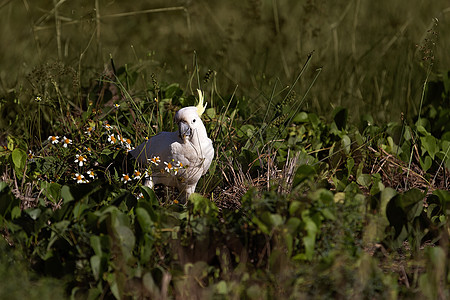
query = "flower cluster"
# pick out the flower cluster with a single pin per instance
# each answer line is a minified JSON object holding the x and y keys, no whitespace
{"x":172,"y":167}
{"x":54,"y":139}
{"x":80,"y":178}
{"x":154,"y":160}
{"x":119,"y":140}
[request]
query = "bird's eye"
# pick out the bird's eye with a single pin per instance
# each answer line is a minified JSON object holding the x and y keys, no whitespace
{"x":193,"y":121}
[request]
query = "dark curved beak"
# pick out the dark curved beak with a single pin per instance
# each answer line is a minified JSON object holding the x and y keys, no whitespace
{"x":184,"y":130}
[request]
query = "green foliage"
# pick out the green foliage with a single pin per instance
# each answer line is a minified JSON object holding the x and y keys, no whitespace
{"x":314,"y":197}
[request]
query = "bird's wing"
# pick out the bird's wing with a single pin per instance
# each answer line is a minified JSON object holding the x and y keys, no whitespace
{"x":158,"y":145}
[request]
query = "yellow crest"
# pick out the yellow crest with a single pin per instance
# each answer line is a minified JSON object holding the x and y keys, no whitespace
{"x":200,"y":107}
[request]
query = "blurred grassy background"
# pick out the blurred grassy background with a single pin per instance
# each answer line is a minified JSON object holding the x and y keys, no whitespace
{"x":371,"y":53}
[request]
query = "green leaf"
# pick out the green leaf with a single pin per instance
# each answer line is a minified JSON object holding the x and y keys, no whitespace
{"x":95,"y":265}
{"x":276,"y":220}
{"x":51,"y":190}
{"x":3,"y":186}
{"x":66,"y":194}
{"x":364,"y":179}
{"x":430,"y":145}
{"x":386,"y":195}
{"x":310,"y":239}
{"x":221,"y":287}
{"x":126,"y":241}
{"x":145,"y":222}
{"x":303,"y":172}
{"x":346,"y":143}
{"x":426,"y":163}
{"x":301,"y":117}
{"x":350,"y":164}
{"x":410,"y":197}
{"x":149,"y":195}
{"x":96,"y":245}
{"x":34,"y":213}
{"x":15,"y":212}
{"x":202,"y":205}
{"x":443,"y":195}
{"x":19,"y":158}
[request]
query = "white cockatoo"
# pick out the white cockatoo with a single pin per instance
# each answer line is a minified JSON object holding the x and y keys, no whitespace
{"x":181,"y":157}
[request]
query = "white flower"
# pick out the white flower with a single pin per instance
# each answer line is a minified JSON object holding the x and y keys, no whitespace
{"x":116,"y":105}
{"x":30,"y":156}
{"x":66,"y":142}
{"x":155,"y":160}
{"x":137,"y":175}
{"x":91,"y":174}
{"x":80,"y":159}
{"x":107,"y":126}
{"x":53,"y":139}
{"x":169,"y":167}
{"x":80,"y":178}
{"x":89,"y":130}
{"x":125,"y":178}
{"x":112,"y":139}
{"x":140,"y":196}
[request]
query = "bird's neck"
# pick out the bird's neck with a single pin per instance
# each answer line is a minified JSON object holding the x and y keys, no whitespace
{"x":199,"y":137}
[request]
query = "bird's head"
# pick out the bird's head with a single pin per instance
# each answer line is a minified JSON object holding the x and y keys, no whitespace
{"x":189,"y":119}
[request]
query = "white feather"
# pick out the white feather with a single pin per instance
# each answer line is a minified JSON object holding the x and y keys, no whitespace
{"x":189,"y":146}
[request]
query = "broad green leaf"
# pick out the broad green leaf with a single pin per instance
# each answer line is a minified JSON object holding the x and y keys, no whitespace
{"x":95,"y":265}
{"x":443,"y":195}
{"x":34,"y":213}
{"x":301,"y":117}
{"x":96,"y":245}
{"x":386,"y":195}
{"x":294,"y":207}
{"x":426,"y":163}
{"x":66,"y":194}
{"x":3,"y":186}
{"x":126,"y":240}
{"x":410,"y":197}
{"x":15,"y":212}
{"x":221,"y":287}
{"x":346,"y":143}
{"x":149,"y":195}
{"x":19,"y":158}
{"x":364,"y":179}
{"x":303,"y":172}
{"x":276,"y":220}
{"x":293,"y":224}
{"x":430,"y":145}
{"x":144,"y":219}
